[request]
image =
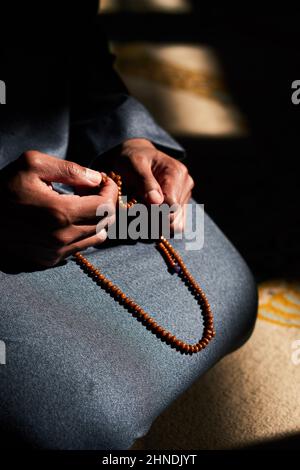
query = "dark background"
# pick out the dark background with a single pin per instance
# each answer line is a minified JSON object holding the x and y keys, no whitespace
{"x":250,"y":186}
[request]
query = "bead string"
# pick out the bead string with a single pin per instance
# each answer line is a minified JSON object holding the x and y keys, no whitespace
{"x":176,"y":265}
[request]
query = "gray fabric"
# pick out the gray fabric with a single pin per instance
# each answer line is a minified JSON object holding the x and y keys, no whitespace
{"x":46,"y":132}
{"x":81,"y":373}
{"x":127,"y":120}
{"x":84,"y":141}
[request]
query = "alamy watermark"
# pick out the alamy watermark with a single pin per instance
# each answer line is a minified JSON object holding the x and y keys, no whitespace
{"x":295,"y":357}
{"x":2,"y":352}
{"x":296,"y":94}
{"x":141,"y":222}
{"x":2,"y":92}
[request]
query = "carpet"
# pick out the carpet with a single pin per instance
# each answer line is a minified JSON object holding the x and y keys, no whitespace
{"x":252,"y":396}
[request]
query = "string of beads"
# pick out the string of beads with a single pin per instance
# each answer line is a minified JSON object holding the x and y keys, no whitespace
{"x":176,"y":265}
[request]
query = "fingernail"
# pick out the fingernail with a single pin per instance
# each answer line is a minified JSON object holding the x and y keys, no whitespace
{"x":93,"y":176}
{"x":102,"y":235}
{"x":104,"y":177}
{"x":154,"y":196}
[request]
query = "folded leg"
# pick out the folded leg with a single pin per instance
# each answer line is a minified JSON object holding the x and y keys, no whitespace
{"x":81,"y":373}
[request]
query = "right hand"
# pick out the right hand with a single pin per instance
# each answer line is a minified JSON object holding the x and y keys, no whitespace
{"x":39,"y":224}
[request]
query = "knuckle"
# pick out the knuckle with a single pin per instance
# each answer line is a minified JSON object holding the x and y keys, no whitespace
{"x":72,"y":169}
{"x":191,"y":182}
{"x":59,"y":217}
{"x":173,"y":199}
{"x":183,"y":169}
{"x":30,"y":160}
{"x":112,"y":194}
{"x":60,"y":238}
{"x":51,"y":261}
{"x":58,"y":254}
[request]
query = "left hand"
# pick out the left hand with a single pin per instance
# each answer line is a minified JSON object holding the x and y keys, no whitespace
{"x":155,"y":177}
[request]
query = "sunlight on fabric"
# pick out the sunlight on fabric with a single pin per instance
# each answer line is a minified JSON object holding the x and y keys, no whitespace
{"x":183,"y":87}
{"x":169,"y":6}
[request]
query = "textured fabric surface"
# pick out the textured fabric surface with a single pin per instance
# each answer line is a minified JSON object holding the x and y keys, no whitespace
{"x":81,"y":373}
{"x":279,"y":303}
{"x":252,"y":396}
{"x":124,"y":119}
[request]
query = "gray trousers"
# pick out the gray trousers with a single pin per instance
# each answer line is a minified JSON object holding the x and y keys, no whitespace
{"x":81,"y":373}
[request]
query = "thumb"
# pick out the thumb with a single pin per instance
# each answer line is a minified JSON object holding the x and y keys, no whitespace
{"x":150,"y":190}
{"x":52,"y":169}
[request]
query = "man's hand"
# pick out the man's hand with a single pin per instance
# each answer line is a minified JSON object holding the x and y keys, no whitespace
{"x":155,"y":177}
{"x":41,"y":225}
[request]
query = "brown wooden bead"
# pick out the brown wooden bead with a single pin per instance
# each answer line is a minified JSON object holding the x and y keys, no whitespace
{"x":208,"y":331}
{"x":159,"y":329}
{"x":164,"y":334}
{"x":168,"y":336}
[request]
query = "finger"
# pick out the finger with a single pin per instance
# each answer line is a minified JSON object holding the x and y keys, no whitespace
{"x":44,"y":239}
{"x":92,"y":208}
{"x":84,"y":210}
{"x":72,"y":234}
{"x":177,"y":189}
{"x":178,"y":219}
{"x":149,"y":188}
{"x":95,"y":240}
{"x":187,"y":192}
{"x":171,"y":181}
{"x":52,"y":169}
{"x":32,"y":254}
{"x":49,"y":257}
{"x":45,"y":255}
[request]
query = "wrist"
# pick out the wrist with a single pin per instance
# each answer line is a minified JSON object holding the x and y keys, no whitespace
{"x":136,"y":143}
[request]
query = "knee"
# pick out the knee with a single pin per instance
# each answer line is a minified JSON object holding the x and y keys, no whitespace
{"x":250,"y":306}
{"x":244,"y":304}
{"x":232,"y":288}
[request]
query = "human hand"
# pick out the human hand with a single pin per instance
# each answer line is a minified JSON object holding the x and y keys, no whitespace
{"x":39,"y":224}
{"x":155,"y":177}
